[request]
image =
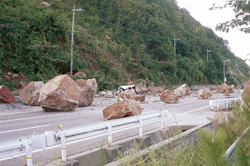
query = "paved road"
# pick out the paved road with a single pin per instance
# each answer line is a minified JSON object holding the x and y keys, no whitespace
{"x":17,"y":120}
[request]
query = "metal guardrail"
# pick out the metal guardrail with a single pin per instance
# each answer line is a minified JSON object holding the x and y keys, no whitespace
{"x":218,"y":101}
{"x":231,"y":149}
{"x":50,"y":138}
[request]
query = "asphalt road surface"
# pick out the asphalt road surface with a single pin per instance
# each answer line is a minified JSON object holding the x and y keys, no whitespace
{"x":18,"y":121}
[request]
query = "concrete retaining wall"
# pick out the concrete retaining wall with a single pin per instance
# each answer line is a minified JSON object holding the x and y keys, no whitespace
{"x":153,"y":139}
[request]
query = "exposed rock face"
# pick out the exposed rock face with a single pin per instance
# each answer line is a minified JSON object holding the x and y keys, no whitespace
{"x":87,"y":93}
{"x":182,"y":91}
{"x":154,"y":89}
{"x":6,"y":96}
{"x":121,"y":109}
{"x":59,"y":94}
{"x":169,"y":97}
{"x":204,"y":93}
{"x":224,"y":88}
{"x":128,"y":94}
{"x":30,"y":93}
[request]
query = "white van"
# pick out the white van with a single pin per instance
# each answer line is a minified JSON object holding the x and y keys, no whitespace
{"x":124,"y":88}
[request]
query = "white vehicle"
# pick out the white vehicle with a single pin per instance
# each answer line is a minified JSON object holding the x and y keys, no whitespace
{"x":124,"y":88}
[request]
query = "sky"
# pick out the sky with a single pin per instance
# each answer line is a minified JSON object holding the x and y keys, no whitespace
{"x":239,"y":42}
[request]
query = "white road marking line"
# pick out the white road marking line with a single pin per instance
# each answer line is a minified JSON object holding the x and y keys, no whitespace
{"x":72,"y":142}
{"x":20,"y":112}
{"x":8,"y":131}
{"x":182,"y":103}
{"x":11,"y":120}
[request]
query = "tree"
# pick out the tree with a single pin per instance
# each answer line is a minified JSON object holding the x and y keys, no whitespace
{"x":242,"y":16}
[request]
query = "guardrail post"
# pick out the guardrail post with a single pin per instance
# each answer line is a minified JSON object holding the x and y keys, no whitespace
{"x":140,"y":128}
{"x":162,"y":119}
{"x":110,"y":134}
{"x":211,"y":104}
{"x":28,"y":152}
{"x":226,"y":103}
{"x":63,"y":146}
{"x":218,"y":106}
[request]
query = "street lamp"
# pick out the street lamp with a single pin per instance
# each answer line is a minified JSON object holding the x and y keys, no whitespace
{"x":224,"y":78}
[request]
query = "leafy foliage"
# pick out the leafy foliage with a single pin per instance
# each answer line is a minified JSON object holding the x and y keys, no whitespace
{"x":114,"y":41}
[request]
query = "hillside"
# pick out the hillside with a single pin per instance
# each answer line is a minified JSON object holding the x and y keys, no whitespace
{"x":115,"y":41}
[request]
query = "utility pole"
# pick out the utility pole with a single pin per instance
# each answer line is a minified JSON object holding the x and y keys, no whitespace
{"x":208,"y":52}
{"x":224,"y":79}
{"x":236,"y":65}
{"x":175,"y":39}
{"x":72,"y":36}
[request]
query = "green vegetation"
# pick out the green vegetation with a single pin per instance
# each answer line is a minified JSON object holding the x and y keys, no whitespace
{"x":114,"y":41}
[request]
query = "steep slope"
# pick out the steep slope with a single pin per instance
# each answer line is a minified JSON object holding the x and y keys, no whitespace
{"x":114,"y":41}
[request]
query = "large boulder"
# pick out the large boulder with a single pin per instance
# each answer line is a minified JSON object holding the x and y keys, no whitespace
{"x":60,"y":94}
{"x":92,"y":84}
{"x":140,"y":98}
{"x":128,"y":94}
{"x":169,"y":97}
{"x":87,"y":93}
{"x":19,"y":88}
{"x":224,"y":88}
{"x":182,"y":91}
{"x":121,"y":109}
{"x":6,"y":96}
{"x":154,"y":89}
{"x":204,"y":93}
{"x":30,"y":93}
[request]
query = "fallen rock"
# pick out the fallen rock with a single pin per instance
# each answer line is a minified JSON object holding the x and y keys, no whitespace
{"x":224,"y":88}
{"x":60,"y":94}
{"x":122,"y":108}
{"x":204,"y":93}
{"x":102,"y":93}
{"x":30,"y":93}
{"x":109,"y":94}
{"x":6,"y":96}
{"x":182,"y":91}
{"x":6,"y":77}
{"x":22,"y":84}
{"x":44,"y":3}
{"x":169,"y":97}
{"x":128,"y":94}
{"x":17,"y":92}
{"x":92,"y":83}
{"x":154,"y":89}
{"x":140,"y":98}
{"x":86,"y":96}
{"x":19,"y":88}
